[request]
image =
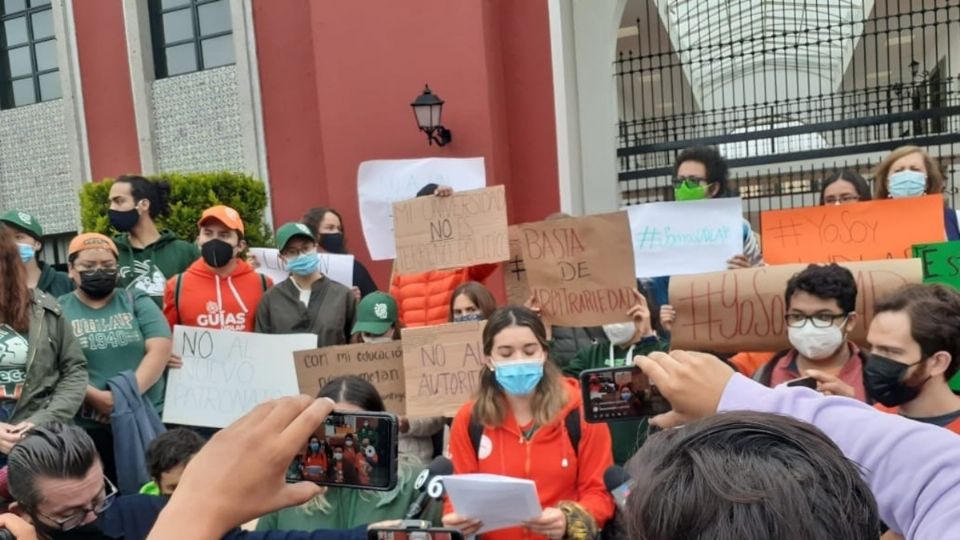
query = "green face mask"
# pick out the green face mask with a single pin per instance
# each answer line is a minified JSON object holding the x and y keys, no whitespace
{"x":689,"y":191}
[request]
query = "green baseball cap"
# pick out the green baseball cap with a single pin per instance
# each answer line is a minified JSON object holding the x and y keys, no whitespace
{"x":25,"y":221}
{"x":375,"y":314}
{"x":289,"y":230}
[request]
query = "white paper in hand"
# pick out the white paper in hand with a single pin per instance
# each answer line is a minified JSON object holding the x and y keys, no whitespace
{"x":498,"y":501}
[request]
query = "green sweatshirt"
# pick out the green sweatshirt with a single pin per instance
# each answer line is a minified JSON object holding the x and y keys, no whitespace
{"x":627,"y":437}
{"x":54,"y":283}
{"x":351,"y":508}
{"x":149,"y":268}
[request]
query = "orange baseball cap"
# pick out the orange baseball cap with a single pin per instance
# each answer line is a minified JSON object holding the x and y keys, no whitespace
{"x":224,"y":214}
{"x":91,"y":240}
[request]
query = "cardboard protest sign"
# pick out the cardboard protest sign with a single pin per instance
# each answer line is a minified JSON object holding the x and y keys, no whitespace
{"x":336,"y":267}
{"x":580,"y":269}
{"x":685,"y":237}
{"x":442,"y":366}
{"x":743,"y":310}
{"x":436,"y":233}
{"x":866,"y":231}
{"x":514,"y":273}
{"x":380,"y":183}
{"x":941,"y":262}
{"x":226,"y":374}
{"x":380,"y":364}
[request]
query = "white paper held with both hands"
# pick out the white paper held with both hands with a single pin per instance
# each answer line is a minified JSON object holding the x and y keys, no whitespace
{"x":497,"y":501}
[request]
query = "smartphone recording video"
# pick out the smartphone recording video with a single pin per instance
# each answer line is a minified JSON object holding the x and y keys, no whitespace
{"x":806,"y":382}
{"x":353,"y":450}
{"x":413,"y":534}
{"x":619,"y":394}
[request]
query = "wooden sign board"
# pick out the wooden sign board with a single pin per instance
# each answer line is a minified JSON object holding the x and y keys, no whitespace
{"x":581,"y":269}
{"x":465,"y":229}
{"x":743,"y":310}
{"x":514,"y":272}
{"x":442,"y":366}
{"x":380,"y":364}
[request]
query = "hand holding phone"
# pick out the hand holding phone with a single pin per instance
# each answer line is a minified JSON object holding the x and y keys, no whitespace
{"x":413,"y":533}
{"x":620,"y":394}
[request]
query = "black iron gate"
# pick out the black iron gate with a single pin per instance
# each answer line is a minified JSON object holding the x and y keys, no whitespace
{"x":788,"y":91}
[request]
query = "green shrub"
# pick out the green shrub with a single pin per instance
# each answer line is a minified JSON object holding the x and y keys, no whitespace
{"x":190,"y":194}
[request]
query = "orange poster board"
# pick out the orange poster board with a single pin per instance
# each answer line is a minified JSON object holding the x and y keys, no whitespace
{"x":866,"y":231}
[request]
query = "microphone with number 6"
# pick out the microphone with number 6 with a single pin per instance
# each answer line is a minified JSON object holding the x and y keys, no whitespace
{"x":618,"y":483}
{"x":429,"y":485}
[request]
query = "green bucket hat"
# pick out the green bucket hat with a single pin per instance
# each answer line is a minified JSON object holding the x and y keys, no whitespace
{"x":289,"y":230}
{"x":25,"y":221}
{"x":375,"y":314}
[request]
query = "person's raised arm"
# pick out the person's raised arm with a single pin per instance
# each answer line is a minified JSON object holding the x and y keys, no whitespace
{"x":912,"y":468}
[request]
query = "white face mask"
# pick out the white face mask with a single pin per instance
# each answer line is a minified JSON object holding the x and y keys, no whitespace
{"x":620,"y":333}
{"x":816,"y":343}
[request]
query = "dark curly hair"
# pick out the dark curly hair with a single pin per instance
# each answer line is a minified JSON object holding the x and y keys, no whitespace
{"x":155,"y":191}
{"x":716,"y":166}
{"x":750,"y":476}
{"x":825,"y":281}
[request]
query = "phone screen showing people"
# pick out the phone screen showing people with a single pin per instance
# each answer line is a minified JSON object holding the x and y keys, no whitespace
{"x":413,"y":534}
{"x":357,"y":450}
{"x":615,"y":394}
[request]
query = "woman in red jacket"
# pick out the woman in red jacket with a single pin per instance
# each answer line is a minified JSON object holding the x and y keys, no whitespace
{"x":523,"y":406}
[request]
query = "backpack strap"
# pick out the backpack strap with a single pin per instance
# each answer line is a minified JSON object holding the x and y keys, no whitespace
{"x":476,"y":433}
{"x":572,"y":423}
{"x":176,"y":296}
{"x":263,"y":282}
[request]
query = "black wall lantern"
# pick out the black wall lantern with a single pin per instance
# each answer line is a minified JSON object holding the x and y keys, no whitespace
{"x":427,"y":108}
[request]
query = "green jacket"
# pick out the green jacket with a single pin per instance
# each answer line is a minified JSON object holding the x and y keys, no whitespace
{"x":56,"y":377}
{"x":627,"y":437}
{"x":149,"y":268}
{"x":54,"y":283}
{"x":351,"y":508}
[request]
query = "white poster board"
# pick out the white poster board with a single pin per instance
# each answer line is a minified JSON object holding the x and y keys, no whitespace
{"x":336,"y":267}
{"x":226,"y":374}
{"x":380,"y":183}
{"x":685,"y":237}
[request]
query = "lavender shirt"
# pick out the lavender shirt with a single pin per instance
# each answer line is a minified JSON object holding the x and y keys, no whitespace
{"x":912,"y":468}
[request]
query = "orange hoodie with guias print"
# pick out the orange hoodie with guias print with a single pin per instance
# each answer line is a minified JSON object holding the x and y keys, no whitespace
{"x":207,"y":300}
{"x":548,"y":458}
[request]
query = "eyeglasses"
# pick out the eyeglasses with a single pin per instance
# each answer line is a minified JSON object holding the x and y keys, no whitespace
{"x":98,"y":508}
{"x":843,"y":199}
{"x":820,"y":320}
{"x":292,"y":252}
{"x":88,"y":267}
{"x":695,"y":180}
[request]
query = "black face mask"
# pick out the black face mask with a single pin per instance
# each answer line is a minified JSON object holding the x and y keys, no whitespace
{"x":123,"y":220}
{"x":332,"y":242}
{"x":216,"y":253}
{"x":884,"y":382}
{"x":90,"y":531}
{"x":98,"y":284}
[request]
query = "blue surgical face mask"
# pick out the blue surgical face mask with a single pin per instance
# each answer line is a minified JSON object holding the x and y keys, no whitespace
{"x":468,"y":317}
{"x":907,"y":184}
{"x":26,"y":252}
{"x":314,"y":447}
{"x":519,"y":378}
{"x":303,"y":265}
